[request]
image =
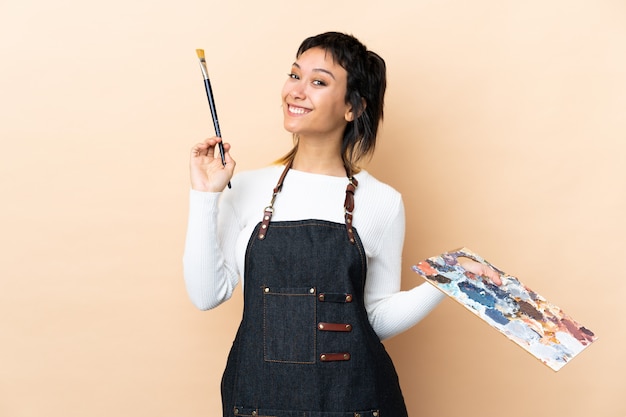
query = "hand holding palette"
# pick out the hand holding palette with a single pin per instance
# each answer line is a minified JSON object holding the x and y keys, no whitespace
{"x":522,"y":315}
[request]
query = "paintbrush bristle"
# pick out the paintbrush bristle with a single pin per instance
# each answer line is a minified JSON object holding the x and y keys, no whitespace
{"x":200,"y":53}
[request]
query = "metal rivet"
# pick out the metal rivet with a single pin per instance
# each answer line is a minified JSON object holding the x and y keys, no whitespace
{"x":348,"y":220}
{"x":254,"y":413}
{"x":323,"y":357}
{"x":266,"y":218}
{"x":346,"y":356}
{"x":261,"y":236}
{"x":266,"y":289}
{"x":375,"y":413}
{"x":312,"y":290}
{"x":320,"y":326}
{"x":236,"y":411}
{"x":351,"y":240}
{"x":263,"y":226}
{"x":348,"y":327}
{"x":357,"y":414}
{"x":348,"y":298}
{"x":321,"y":297}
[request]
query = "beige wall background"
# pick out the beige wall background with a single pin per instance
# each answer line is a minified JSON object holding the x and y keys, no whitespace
{"x":505,"y":132}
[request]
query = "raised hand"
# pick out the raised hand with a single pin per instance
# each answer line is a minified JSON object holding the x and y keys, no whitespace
{"x":205,"y":166}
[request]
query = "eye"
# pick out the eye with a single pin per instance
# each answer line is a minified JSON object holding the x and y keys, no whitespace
{"x":293,"y":76}
{"x":320,"y":83}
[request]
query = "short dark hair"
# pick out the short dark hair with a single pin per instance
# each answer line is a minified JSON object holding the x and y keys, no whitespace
{"x":367,"y":82}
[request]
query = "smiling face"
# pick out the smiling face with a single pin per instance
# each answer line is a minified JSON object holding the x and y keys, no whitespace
{"x":314,"y":104}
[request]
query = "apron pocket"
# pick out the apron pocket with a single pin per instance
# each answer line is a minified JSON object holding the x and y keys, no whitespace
{"x":289,"y":325}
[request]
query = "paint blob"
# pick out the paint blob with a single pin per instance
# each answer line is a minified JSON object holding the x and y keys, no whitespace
{"x":522,"y":315}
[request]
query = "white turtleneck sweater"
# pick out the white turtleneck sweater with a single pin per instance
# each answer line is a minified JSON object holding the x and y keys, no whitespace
{"x":220,"y":225}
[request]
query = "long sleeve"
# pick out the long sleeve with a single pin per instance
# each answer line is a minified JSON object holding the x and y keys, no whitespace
{"x":220,"y":225}
{"x":208,"y":265}
{"x":390,"y":310}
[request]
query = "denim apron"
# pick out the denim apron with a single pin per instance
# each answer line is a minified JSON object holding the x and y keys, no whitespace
{"x":305,"y":347}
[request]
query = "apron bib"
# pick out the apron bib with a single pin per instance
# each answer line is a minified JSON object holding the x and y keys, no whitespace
{"x":305,"y":347}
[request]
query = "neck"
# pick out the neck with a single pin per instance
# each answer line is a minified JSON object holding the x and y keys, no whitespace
{"x":319,"y":158}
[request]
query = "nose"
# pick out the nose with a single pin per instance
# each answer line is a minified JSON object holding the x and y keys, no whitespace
{"x":296,"y":90}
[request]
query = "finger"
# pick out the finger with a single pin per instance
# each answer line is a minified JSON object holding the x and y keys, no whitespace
{"x":206,"y":148}
{"x":481,"y":270}
{"x":212,"y":141}
{"x":492,"y":275}
{"x":199,"y":149}
{"x":227,"y":158}
{"x":214,"y":147}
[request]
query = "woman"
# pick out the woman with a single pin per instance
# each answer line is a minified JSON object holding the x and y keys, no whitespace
{"x":321,"y":263}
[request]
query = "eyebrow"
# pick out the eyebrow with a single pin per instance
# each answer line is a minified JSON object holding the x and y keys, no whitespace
{"x":295,"y":64}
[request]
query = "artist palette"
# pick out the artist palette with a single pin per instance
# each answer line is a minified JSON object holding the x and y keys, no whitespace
{"x":522,"y":315}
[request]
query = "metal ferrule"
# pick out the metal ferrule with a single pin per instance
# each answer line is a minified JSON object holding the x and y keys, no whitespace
{"x":205,"y":72}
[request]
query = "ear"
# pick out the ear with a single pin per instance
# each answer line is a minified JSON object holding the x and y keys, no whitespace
{"x":349,"y":116}
{"x":350,"y":113}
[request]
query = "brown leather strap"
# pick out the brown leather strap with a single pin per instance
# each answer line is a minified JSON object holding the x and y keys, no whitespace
{"x":335,"y":297}
{"x":332,"y":357}
{"x":334,"y":327}
{"x":349,"y":207}
{"x":269,"y":210}
{"x":267,"y":216}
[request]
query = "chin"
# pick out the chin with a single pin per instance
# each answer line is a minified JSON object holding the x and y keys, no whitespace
{"x":290,"y":128}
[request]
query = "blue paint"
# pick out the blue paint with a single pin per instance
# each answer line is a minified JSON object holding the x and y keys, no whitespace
{"x":480,"y":295}
{"x":499,"y":292}
{"x":496,"y":315}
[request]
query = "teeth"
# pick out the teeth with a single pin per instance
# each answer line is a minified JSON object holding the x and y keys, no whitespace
{"x":297,"y":110}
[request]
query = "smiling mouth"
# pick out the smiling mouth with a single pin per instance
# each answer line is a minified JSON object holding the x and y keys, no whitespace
{"x":298,"y":110}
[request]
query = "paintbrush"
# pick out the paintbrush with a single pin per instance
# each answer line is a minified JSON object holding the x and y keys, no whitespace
{"x":209,"y":93}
